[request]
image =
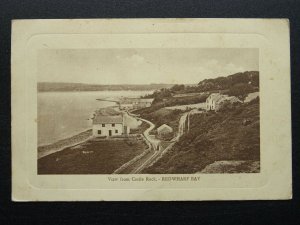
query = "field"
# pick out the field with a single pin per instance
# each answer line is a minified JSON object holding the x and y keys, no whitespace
{"x":96,"y":156}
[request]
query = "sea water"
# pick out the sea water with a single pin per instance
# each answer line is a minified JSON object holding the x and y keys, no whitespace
{"x":64,"y":114}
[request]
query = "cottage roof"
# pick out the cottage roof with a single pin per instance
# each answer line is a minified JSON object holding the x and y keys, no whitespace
{"x":164,"y":127}
{"x":100,"y":119}
{"x":217,"y":97}
{"x":220,"y":98}
{"x":232,"y":99}
{"x":107,"y":115}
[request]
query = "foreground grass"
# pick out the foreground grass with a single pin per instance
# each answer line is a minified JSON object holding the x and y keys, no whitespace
{"x":232,"y":166}
{"x":97,"y":156}
{"x":213,"y":137}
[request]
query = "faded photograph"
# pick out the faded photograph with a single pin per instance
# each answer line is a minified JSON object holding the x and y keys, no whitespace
{"x":148,"y":111}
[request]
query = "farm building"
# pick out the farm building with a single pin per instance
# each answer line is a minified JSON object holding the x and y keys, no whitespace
{"x":135,"y":103}
{"x":216,"y":100}
{"x":164,"y":131}
{"x":107,"y":124}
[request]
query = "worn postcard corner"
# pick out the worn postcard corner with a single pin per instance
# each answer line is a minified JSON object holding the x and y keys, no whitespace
{"x":151,"y":109}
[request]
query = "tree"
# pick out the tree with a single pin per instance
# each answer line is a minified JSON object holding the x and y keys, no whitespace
{"x":240,"y":90}
{"x":177,"y":88}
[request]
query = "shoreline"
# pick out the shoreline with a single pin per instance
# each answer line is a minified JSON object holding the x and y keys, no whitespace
{"x":57,"y":146}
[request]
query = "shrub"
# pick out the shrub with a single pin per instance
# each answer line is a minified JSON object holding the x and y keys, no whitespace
{"x":240,"y":90}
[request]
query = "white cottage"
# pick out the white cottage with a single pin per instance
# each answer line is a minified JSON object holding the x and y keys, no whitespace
{"x":109,"y":125}
{"x":214,"y":101}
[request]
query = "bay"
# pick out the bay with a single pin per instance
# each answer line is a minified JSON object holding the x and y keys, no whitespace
{"x":64,"y":114}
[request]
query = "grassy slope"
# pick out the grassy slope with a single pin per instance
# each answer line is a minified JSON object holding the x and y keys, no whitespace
{"x":161,"y":116}
{"x":140,"y":129}
{"x":214,"y":137}
{"x":92,"y":157}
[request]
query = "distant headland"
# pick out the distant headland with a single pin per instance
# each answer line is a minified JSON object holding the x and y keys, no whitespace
{"x":69,"y":87}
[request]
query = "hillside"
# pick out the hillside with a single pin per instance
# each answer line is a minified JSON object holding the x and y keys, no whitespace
{"x":161,"y":116}
{"x":53,"y":86}
{"x":231,"y":135}
{"x":222,"y":83}
{"x":238,"y":84}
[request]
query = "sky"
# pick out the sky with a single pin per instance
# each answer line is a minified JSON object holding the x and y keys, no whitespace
{"x":143,"y":66}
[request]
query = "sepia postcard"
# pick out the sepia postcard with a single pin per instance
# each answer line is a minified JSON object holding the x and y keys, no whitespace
{"x":151,"y":109}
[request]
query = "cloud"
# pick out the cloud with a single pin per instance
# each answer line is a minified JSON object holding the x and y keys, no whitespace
{"x":134,"y":60}
{"x":214,"y":68}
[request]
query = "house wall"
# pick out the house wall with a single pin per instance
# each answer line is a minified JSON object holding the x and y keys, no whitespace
{"x":126,"y":129}
{"x":105,"y":130}
{"x":210,"y":104}
{"x":165,"y":134}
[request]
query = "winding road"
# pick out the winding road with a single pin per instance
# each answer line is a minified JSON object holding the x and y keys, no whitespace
{"x":152,"y":150}
{"x":155,"y":151}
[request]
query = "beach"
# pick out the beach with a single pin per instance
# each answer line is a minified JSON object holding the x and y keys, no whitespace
{"x":64,"y":143}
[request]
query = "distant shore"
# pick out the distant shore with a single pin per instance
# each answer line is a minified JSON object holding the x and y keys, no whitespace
{"x":71,"y":87}
{"x":45,"y":150}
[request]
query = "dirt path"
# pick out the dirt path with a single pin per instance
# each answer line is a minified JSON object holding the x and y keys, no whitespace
{"x":135,"y":166}
{"x":155,"y":150}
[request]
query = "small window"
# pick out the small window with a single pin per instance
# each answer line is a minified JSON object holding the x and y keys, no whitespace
{"x":116,"y":131}
{"x":99,"y":131}
{"x":112,"y":124}
{"x":103,"y":125}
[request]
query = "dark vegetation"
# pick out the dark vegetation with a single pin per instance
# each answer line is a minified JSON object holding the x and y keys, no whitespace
{"x":96,"y":156}
{"x":167,"y":102}
{"x":161,"y":116}
{"x":239,"y":84}
{"x":241,"y":90}
{"x":140,"y":129}
{"x":214,"y":137}
{"x":222,"y":83}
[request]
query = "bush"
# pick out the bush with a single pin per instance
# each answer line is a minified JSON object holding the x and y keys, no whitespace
{"x":177,"y":88}
{"x":240,"y":90}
